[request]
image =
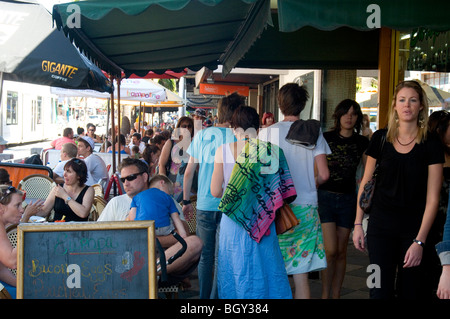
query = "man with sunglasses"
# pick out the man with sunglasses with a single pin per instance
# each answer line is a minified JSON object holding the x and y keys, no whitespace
{"x":91,"y":133}
{"x":134,"y":176}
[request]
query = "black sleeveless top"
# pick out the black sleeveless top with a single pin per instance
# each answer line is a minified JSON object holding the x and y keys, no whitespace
{"x":63,"y":209}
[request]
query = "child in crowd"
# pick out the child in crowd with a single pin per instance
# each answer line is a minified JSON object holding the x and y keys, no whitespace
{"x":156,"y":204}
{"x":135,"y":152}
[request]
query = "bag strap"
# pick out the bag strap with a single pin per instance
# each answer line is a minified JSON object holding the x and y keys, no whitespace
{"x":383,"y":140}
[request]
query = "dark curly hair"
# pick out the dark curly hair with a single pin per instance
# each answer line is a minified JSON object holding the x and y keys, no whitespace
{"x":80,"y":168}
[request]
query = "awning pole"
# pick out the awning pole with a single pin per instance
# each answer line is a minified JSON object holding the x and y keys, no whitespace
{"x":118,"y":120}
{"x":113,"y":130}
{"x":139,"y":118}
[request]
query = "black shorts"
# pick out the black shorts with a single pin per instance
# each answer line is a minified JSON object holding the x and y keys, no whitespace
{"x":337,"y":208}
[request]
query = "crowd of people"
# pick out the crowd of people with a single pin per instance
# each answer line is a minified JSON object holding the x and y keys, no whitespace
{"x":241,"y":169}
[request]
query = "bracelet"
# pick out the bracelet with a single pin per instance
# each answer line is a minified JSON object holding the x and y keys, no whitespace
{"x":186,"y":202}
{"x":358,"y":224}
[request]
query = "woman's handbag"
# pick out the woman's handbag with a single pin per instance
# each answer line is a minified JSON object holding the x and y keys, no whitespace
{"x":285,"y":219}
{"x":365,"y":200}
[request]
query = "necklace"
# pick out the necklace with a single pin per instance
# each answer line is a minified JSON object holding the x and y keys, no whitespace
{"x":406,"y":143}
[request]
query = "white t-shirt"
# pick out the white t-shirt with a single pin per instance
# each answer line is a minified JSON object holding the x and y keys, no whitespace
{"x":118,"y":207}
{"x":299,"y":159}
{"x":141,"y":146}
{"x":59,"y":168}
{"x":96,"y":169}
{"x":116,"y":210}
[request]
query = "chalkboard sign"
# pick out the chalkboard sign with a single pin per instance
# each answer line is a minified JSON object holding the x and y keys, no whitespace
{"x":86,"y":260}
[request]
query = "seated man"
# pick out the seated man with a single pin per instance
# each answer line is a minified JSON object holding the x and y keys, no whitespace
{"x":91,"y":133}
{"x":136,"y":141}
{"x":68,"y":151}
{"x":66,"y":138}
{"x":134,"y":176}
{"x":97,"y":170}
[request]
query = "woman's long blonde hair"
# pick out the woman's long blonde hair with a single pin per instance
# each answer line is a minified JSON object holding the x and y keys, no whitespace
{"x":422,"y":119}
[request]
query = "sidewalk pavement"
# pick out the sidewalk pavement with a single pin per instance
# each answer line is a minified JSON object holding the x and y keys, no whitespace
{"x":354,"y":286}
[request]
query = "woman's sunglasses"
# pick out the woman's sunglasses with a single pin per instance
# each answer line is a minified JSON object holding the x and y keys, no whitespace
{"x":6,"y":192}
{"x":131,"y":177}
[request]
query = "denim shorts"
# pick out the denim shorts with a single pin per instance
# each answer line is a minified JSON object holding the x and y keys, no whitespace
{"x":337,"y":208}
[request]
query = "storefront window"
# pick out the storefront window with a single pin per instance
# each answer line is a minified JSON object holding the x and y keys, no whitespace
{"x":12,"y":106}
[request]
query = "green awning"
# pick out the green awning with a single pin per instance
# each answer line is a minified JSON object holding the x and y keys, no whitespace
{"x":310,"y":48}
{"x":402,"y":15}
{"x":158,"y":35}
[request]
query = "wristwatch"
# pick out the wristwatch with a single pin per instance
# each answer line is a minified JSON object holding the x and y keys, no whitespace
{"x":186,"y":202}
{"x":418,"y":242}
{"x":68,"y":199}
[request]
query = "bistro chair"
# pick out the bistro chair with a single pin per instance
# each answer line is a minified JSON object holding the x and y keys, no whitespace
{"x":192,"y":222}
{"x":11,"y":232}
{"x":98,"y":189}
{"x":97,"y":207}
{"x":37,"y":186}
{"x":4,"y":294}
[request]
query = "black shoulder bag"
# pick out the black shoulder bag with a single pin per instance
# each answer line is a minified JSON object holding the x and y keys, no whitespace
{"x":365,"y":201}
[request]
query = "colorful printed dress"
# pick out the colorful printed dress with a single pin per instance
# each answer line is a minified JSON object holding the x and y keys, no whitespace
{"x":250,"y":264}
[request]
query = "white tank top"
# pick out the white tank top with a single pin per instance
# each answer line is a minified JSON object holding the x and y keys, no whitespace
{"x":228,"y":164}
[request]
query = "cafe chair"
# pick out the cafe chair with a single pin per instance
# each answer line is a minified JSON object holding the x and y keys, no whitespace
{"x":37,"y":186}
{"x":11,"y":232}
{"x":98,"y":189}
{"x":4,"y":294}
{"x":97,"y":207}
{"x":192,"y":222}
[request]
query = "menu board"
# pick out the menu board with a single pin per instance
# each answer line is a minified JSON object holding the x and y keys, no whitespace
{"x":86,"y":260}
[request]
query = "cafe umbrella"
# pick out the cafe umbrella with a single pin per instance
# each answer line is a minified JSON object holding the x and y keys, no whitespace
{"x":33,"y":51}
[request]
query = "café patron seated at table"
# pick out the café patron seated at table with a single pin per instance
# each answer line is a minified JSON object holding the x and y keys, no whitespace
{"x":74,"y":198}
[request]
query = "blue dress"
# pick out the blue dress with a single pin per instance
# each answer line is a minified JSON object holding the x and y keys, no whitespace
{"x":247,"y":269}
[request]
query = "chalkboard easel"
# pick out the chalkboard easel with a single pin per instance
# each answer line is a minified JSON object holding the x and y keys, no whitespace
{"x":86,"y":260}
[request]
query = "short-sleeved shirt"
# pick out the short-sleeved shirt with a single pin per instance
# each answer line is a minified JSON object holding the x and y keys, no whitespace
{"x":154,"y":204}
{"x":96,"y":169}
{"x":59,"y":142}
{"x":59,"y":168}
{"x":203,"y":148}
{"x":346,"y":154}
{"x":117,"y":209}
{"x":300,"y":160}
{"x":400,"y":193}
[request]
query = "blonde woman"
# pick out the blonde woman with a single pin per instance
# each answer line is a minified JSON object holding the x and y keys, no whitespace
{"x":406,"y":195}
{"x":11,"y":212}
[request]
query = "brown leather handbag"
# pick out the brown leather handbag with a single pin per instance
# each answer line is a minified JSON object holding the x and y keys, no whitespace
{"x":285,"y":219}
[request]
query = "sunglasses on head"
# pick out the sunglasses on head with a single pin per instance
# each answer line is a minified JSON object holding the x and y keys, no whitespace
{"x":77,"y":161}
{"x":6,"y":192}
{"x":130,"y":177}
